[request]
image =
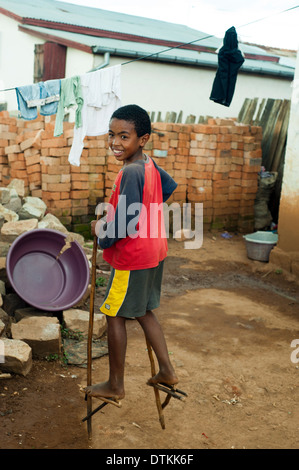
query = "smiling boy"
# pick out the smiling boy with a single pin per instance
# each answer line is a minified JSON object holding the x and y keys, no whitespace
{"x":135,"y":255}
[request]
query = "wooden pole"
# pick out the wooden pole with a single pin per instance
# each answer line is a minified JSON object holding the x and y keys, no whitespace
{"x":157,"y":395}
{"x":90,"y":333}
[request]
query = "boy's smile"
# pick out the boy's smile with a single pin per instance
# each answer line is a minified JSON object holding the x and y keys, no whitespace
{"x":124,"y":141}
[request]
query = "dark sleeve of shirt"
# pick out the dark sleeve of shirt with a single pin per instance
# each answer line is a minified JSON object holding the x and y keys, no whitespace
{"x":168,"y":183}
{"x":128,"y":207}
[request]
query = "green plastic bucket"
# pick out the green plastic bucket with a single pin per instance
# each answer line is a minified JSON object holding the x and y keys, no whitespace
{"x":259,"y":245}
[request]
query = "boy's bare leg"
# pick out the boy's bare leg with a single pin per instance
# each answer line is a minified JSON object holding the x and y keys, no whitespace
{"x":154,"y":334}
{"x":117,"y":345}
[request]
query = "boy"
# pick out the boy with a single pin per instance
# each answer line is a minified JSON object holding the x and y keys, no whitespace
{"x":135,"y":247}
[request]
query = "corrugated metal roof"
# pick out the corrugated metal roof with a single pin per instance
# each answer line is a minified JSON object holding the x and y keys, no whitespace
{"x":270,"y":68}
{"x":126,"y":48}
{"x":136,"y":50}
{"x":67,"y":13}
{"x":70,"y":14}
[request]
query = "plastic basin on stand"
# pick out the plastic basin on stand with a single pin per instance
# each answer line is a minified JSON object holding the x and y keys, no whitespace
{"x":39,"y":277}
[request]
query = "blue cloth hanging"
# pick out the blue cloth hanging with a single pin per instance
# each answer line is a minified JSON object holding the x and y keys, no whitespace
{"x":46,"y":95}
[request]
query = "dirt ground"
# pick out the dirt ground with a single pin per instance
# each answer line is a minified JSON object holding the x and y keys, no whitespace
{"x":229,"y":323}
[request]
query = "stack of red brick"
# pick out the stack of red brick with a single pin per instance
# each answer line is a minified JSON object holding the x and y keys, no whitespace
{"x":216,"y":164}
{"x":225,"y":159}
{"x":29,"y":151}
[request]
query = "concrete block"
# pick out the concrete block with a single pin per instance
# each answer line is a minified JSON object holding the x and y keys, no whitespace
{"x":42,"y":334}
{"x":78,"y":320}
{"x":15,"y":356}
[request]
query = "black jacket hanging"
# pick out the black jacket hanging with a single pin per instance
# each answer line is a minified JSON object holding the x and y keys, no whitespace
{"x":230,"y":59}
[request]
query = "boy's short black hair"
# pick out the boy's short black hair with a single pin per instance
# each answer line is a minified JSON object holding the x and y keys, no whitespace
{"x":137,"y":116}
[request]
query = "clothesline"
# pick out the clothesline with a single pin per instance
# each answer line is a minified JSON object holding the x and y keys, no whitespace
{"x":191,"y":42}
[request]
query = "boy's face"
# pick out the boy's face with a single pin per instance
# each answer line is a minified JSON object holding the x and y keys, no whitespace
{"x":126,"y":146}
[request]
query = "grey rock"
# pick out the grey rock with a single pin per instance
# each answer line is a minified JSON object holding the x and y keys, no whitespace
{"x":77,"y":320}
{"x":42,"y":334}
{"x":11,"y":230}
{"x":15,"y":357}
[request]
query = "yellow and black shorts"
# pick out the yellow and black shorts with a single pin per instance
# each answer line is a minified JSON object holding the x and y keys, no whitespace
{"x":132,"y":293}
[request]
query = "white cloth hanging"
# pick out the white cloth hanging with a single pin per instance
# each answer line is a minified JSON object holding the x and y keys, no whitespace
{"x":101,"y":92}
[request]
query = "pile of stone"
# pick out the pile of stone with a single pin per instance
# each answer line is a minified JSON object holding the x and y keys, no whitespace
{"x":25,"y":332}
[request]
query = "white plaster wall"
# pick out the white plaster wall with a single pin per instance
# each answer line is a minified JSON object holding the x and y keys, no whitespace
{"x":166,"y":87}
{"x":16,"y":59}
{"x":77,"y":62}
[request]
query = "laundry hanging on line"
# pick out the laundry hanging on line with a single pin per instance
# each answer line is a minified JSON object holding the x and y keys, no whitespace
{"x":70,"y":96}
{"x":94,"y":97}
{"x":43,"y":94}
{"x":230,"y":59}
{"x":101,"y":92}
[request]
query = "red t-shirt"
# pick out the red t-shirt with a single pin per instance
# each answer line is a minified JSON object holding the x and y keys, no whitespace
{"x":134,"y":235}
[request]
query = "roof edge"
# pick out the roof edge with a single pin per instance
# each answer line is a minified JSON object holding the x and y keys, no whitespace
{"x":121,"y":36}
{"x":180,"y":60}
{"x":135,"y":38}
{"x":51,"y":37}
{"x":71,"y":28}
{"x":155,"y":57}
{"x":12,"y":15}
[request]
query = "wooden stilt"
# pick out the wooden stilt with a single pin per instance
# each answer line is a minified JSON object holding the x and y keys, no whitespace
{"x":156,"y":391}
{"x":90,"y":333}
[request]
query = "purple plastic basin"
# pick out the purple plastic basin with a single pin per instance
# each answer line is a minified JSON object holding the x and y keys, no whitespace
{"x":42,"y":280}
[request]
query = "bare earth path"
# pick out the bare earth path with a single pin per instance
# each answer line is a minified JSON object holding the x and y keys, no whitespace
{"x":229,"y":324}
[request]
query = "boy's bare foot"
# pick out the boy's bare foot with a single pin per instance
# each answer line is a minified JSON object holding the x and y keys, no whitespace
{"x":105,"y":390}
{"x":168,"y":379}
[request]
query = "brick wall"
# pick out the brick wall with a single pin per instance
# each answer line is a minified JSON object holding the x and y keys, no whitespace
{"x":215,"y":164}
